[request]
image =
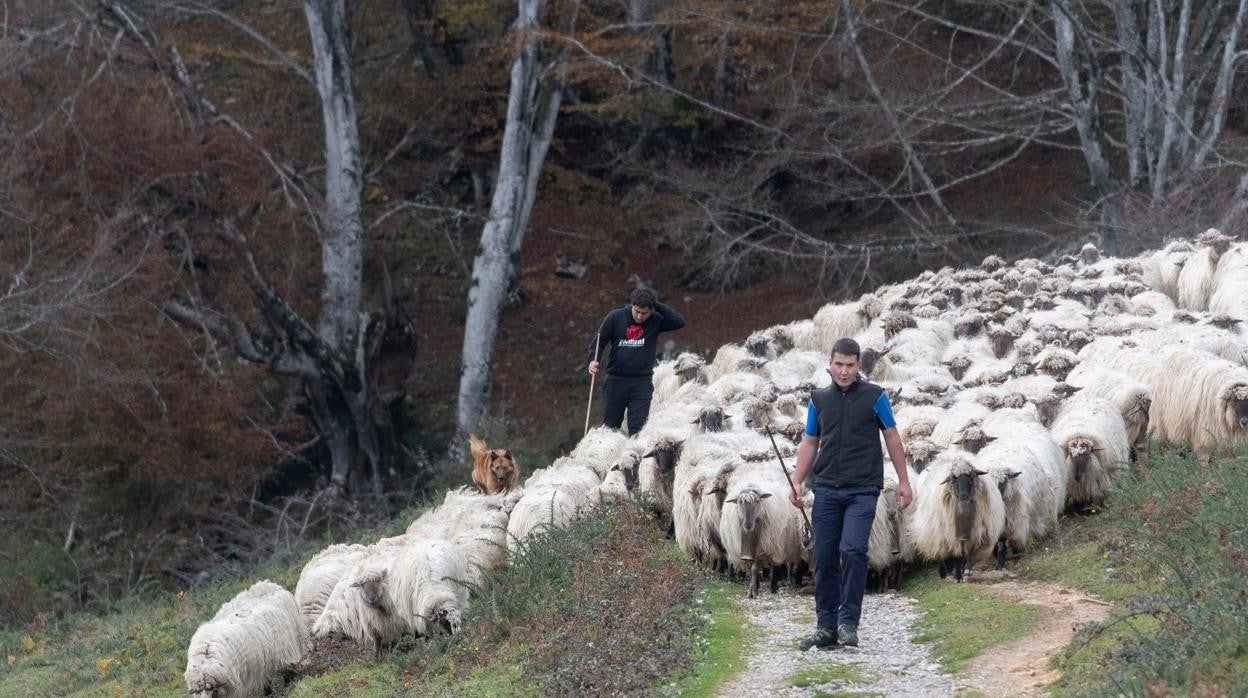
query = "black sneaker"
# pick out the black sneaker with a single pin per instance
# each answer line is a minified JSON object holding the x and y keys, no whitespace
{"x":823,"y":637}
{"x":848,"y":635}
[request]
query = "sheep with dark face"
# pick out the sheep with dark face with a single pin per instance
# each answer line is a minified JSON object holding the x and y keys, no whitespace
{"x":1056,"y":361}
{"x":1002,"y":341}
{"x":1201,"y":399}
{"x":889,"y":547}
{"x":758,"y":526}
{"x":1093,"y":438}
{"x":1133,"y":398}
{"x":920,"y":452}
{"x":957,"y":512}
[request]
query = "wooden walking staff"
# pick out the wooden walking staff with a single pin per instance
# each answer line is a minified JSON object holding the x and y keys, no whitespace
{"x":790,"y":479}
{"x":592,"y":376}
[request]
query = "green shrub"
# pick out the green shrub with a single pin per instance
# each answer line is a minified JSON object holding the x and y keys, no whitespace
{"x":1185,"y":630}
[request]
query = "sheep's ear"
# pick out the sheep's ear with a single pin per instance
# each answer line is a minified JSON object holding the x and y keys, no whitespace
{"x":506,"y":453}
{"x":1098,"y":449}
{"x":980,"y":472}
{"x":648,"y":454}
{"x":989,"y":439}
{"x":730,"y":501}
{"x":947,"y":480}
{"x":764,"y":495}
{"x":678,"y":444}
{"x":614,"y":467}
{"x":1012,"y":474}
{"x":696,"y":420}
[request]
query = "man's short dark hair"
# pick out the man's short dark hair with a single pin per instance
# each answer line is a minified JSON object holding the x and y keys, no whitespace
{"x":846,"y":347}
{"x":642,"y":298}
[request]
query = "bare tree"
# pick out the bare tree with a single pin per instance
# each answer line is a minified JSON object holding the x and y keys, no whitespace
{"x":532,"y":109}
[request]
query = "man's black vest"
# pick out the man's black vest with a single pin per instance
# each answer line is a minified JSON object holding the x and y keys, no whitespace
{"x":849,"y":452}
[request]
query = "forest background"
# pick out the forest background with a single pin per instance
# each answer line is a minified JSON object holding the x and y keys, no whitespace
{"x":262,"y":262}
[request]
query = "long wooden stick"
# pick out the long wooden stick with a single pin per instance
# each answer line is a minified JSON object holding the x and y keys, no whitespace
{"x":592,"y":376}
{"x":786,"y":473}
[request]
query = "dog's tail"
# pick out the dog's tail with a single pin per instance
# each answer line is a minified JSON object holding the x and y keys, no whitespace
{"x":476,"y":445}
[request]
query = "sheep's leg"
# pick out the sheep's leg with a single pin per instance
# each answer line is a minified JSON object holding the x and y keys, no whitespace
{"x":753,"y":579}
{"x":943,"y":568}
{"x":775,"y":578}
{"x":894,"y":571}
{"x":998,"y":552}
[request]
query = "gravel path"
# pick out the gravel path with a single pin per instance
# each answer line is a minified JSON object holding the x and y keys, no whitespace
{"x":887,"y":661}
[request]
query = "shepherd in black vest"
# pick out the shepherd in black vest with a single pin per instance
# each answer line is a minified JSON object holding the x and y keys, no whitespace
{"x":841,"y":460}
{"x":630,"y":335}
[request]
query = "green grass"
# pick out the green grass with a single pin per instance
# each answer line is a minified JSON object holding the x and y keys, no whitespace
{"x":726,"y":637}
{"x":830,"y":672}
{"x":962,"y":621}
{"x":1171,"y":552}
{"x":137,"y":649}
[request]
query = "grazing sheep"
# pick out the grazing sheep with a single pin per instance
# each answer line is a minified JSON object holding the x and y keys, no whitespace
{"x":248,"y":644}
{"x":319,"y":576}
{"x":1201,"y":399}
{"x":475,"y":523}
{"x":416,"y":588}
{"x":1093,"y":439}
{"x":956,"y":513}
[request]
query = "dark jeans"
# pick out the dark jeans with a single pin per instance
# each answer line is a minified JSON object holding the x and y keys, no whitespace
{"x":631,"y":393}
{"x":842,"y":520}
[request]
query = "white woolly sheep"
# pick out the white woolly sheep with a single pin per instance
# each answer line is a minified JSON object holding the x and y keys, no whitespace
{"x":1093,"y":439}
{"x":247,"y":645}
{"x":475,"y":523}
{"x":1056,"y":362}
{"x":1029,"y":472}
{"x":1230,"y":292}
{"x":957,"y":512}
{"x":1201,"y":399}
{"x":321,"y":574}
{"x":1196,"y":282}
{"x":417,"y":588}
{"x":1132,"y":397}
{"x":834,"y":321}
{"x":889,"y":546}
{"x":599,"y":447}
{"x":758,"y":526}
{"x":1161,"y":269}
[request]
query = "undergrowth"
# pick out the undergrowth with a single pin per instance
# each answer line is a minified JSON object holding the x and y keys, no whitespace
{"x":1171,"y":550}
{"x":963,"y":620}
{"x":604,"y":606}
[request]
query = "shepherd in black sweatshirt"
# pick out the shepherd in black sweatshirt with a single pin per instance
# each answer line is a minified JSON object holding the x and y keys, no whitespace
{"x":629,"y":339}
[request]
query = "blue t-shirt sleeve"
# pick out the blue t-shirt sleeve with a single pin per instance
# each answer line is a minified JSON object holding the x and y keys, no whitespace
{"x":812,"y":420}
{"x":883,"y":412}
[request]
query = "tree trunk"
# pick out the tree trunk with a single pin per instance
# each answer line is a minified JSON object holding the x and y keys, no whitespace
{"x":340,"y":409}
{"x":532,"y":107}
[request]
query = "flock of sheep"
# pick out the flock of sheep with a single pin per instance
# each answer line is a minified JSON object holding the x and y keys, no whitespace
{"x":1020,"y":391}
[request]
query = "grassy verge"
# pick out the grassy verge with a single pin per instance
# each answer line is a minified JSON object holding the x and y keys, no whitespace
{"x":604,"y":606}
{"x":962,"y":621}
{"x":724,"y":638}
{"x":1171,"y":553}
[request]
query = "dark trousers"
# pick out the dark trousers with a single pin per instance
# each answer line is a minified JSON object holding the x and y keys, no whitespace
{"x":632,"y":394}
{"x":842,"y":520}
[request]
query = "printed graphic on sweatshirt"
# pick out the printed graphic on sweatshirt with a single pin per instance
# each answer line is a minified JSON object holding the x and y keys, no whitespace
{"x":635,"y":335}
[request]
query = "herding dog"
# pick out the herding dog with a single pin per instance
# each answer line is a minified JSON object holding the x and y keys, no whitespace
{"x":493,"y":469}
